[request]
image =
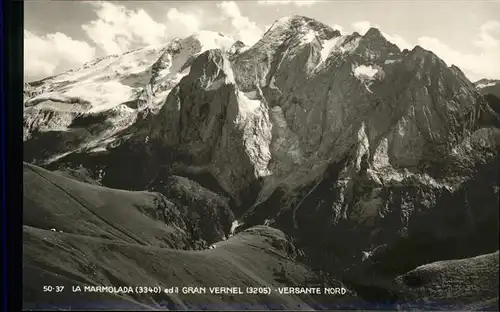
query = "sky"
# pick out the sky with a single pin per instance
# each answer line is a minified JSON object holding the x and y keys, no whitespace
{"x":61,"y":35}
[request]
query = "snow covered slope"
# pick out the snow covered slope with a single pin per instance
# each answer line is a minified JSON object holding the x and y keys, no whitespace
{"x":320,"y":134}
{"x":113,"y":89}
{"x":485,"y":83}
{"x":488,"y":86}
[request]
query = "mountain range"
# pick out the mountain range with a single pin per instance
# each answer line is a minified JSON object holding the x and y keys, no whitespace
{"x":310,"y":158}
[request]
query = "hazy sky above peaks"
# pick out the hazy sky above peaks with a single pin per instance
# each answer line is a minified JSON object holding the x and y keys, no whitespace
{"x":59,"y":35}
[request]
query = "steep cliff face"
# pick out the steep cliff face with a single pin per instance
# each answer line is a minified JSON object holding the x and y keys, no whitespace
{"x":208,"y":122}
{"x":357,"y":95}
{"x":323,"y":135}
{"x":285,"y":39}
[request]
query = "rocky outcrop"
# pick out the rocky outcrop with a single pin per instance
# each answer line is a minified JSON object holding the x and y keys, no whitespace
{"x":488,"y":86}
{"x":113,"y":91}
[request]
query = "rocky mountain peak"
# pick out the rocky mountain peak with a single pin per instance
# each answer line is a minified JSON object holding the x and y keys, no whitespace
{"x":375,"y":47}
{"x":288,"y":37}
{"x":374,"y":32}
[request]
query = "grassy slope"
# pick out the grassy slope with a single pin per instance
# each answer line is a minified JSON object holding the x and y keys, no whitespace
{"x":54,"y":201}
{"x":468,"y":284}
{"x":247,"y":259}
{"x":120,"y":238}
{"x":113,"y":237}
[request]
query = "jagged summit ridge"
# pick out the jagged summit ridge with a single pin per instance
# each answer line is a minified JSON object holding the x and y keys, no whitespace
{"x":292,"y":43}
{"x":373,"y":32}
{"x":482,"y":83}
{"x":284,"y":39}
{"x":310,"y":82}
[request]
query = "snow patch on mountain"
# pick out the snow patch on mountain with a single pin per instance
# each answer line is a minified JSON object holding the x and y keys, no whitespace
{"x":62,"y":107}
{"x":328,"y":45}
{"x":485,"y":83}
{"x":58,"y":101}
{"x":246,"y":105}
{"x":196,"y":44}
{"x":257,"y":138}
{"x":364,"y":72}
{"x":341,"y":44}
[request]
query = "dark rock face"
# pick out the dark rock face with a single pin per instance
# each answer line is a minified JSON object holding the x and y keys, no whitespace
{"x":373,"y":160}
{"x":195,"y":217}
{"x":209,"y":213}
{"x":149,"y":219}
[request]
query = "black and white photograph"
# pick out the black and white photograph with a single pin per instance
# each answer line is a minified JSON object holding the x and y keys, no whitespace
{"x":260,"y":155}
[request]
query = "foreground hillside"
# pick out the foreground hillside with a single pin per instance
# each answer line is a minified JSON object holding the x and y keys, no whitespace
{"x":81,"y":234}
{"x":71,"y":237}
{"x":93,"y":246}
{"x":432,"y":285}
{"x":488,"y":86}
